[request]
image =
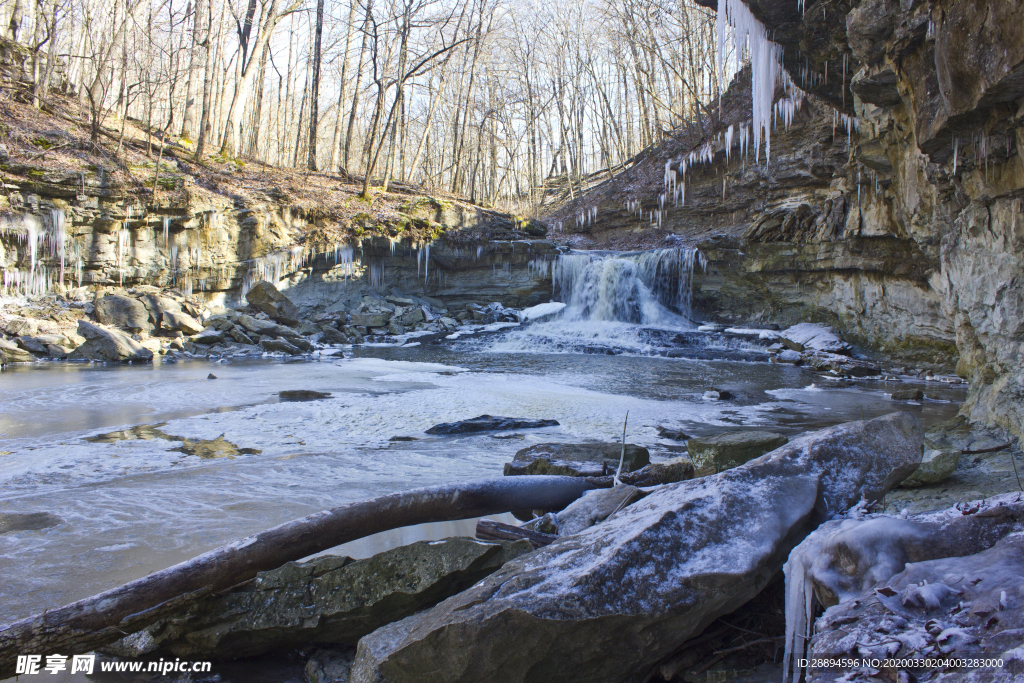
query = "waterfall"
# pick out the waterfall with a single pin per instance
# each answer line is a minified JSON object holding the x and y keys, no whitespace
{"x":647,"y":288}
{"x":615,"y":303}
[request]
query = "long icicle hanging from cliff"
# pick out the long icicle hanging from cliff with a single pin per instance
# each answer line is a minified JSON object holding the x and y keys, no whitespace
{"x":748,"y":34}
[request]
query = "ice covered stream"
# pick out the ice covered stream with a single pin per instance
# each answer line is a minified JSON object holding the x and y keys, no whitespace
{"x":122,"y":507}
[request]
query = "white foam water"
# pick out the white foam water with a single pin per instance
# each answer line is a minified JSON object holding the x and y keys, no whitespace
{"x":611,"y":298}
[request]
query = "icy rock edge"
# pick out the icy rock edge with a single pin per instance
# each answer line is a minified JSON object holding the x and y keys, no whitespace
{"x":608,"y":603}
{"x":847,"y":565}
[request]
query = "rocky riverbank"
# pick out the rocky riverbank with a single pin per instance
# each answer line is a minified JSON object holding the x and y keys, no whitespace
{"x":415,"y":608}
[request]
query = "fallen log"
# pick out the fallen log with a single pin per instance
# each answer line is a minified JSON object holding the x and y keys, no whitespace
{"x":490,"y":530}
{"x":96,"y":621}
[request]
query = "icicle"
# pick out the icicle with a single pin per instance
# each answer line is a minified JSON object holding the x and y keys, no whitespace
{"x":956,"y":150}
{"x":765,"y":66}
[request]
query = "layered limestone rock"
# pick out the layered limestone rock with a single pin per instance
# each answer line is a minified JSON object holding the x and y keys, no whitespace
{"x":893,"y":204}
{"x":77,"y":229}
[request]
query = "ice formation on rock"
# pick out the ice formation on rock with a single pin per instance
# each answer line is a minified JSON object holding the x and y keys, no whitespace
{"x":749,"y":36}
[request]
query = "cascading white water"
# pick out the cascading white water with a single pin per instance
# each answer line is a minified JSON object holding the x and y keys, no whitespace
{"x":648,"y":288}
{"x":614,"y":301}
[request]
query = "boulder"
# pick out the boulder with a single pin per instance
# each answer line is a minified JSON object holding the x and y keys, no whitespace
{"x":672,"y":433}
{"x":333,"y":336}
{"x":789,"y":356}
{"x":577,"y":459}
{"x":158,"y":305}
{"x":936,"y":465}
{"x":595,"y":506}
{"x":329,"y":665}
{"x":813,"y":337}
{"x":253,"y":325}
{"x":239,"y":336}
{"x":209,"y":336}
{"x":907,"y":395}
{"x":19,"y":327}
{"x":280,"y":331}
{"x":104,"y":344}
{"x":330,"y":599}
{"x":723,"y":451}
{"x":370,"y":319}
{"x":124,"y":312}
{"x":32,"y":345}
{"x":412,"y":317}
{"x":280,"y":345}
{"x":182,"y":322}
{"x":55,"y":351}
{"x":657,"y":473}
{"x":608,"y":603}
{"x":489,"y":423}
{"x":266,"y":297}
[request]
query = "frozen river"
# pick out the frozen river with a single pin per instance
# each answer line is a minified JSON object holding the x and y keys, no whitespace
{"x":115,"y":501}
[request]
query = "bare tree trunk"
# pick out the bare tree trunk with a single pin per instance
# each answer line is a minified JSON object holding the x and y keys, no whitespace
{"x":248,"y":72}
{"x":314,"y":96}
{"x":339,"y":116}
{"x":97,"y":621}
{"x":257,"y":113}
{"x":188,"y":116}
{"x":355,"y":88}
{"x":204,"y":119}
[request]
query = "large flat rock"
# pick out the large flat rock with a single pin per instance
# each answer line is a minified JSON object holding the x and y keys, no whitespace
{"x":331,"y":599}
{"x":105,"y":344}
{"x":723,"y":451}
{"x":607,"y":603}
{"x":123,"y":311}
{"x":577,"y":459}
{"x":489,"y":423}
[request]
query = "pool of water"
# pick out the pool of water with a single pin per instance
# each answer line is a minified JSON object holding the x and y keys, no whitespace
{"x":119,"y":508}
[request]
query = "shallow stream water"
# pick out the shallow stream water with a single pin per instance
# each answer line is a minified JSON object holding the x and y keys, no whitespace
{"x":123,"y":507}
{"x":108,"y":473}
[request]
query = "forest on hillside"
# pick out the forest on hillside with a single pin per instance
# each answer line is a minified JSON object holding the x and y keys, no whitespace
{"x":497,"y":100}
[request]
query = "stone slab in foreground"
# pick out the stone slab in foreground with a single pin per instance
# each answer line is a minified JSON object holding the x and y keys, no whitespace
{"x":610,"y":602}
{"x":330,"y":599}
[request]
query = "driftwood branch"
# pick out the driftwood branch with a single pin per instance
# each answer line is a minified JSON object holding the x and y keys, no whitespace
{"x":993,"y":449}
{"x":489,"y":530}
{"x":101,"y":619}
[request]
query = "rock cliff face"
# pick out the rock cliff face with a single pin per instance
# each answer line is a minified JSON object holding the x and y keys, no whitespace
{"x":892,"y":205}
{"x":84,"y":228}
